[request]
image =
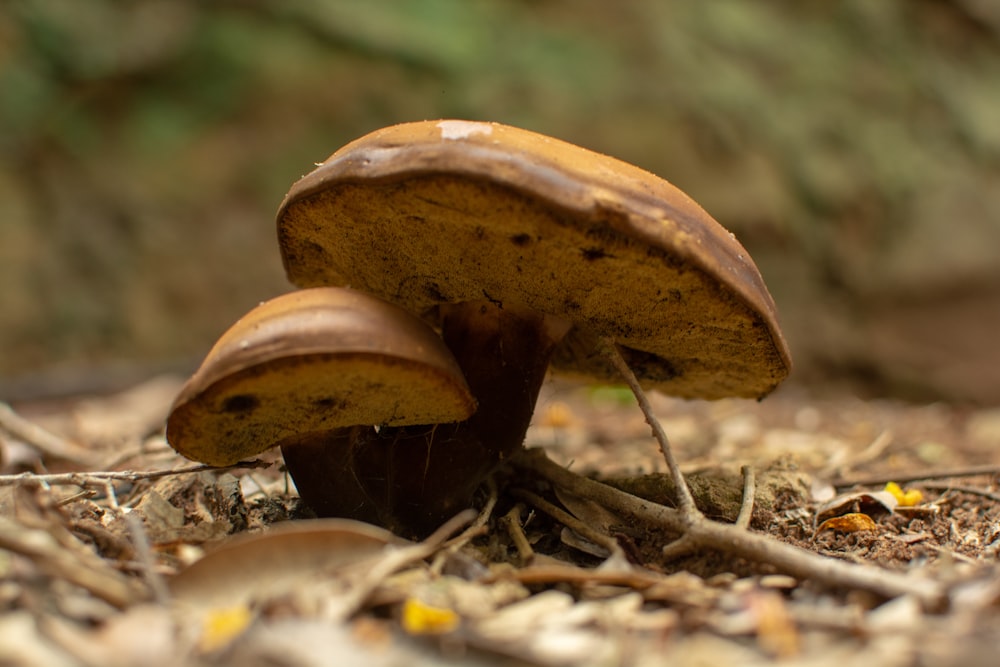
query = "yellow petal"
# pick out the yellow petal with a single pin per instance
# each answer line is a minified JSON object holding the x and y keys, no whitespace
{"x":905,"y":497}
{"x":423,"y":619}
{"x":222,"y":626}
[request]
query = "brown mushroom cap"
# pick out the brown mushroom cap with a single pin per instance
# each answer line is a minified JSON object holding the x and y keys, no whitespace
{"x":454,"y":211}
{"x":314,"y":360}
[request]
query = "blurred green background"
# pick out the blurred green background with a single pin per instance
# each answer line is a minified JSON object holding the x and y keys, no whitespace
{"x":854,"y":148}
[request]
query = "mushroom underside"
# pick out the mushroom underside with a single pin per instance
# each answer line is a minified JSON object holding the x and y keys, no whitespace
{"x":437,"y":238}
{"x":247,"y":413}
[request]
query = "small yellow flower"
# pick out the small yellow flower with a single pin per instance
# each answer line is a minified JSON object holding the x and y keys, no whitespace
{"x":905,"y":497}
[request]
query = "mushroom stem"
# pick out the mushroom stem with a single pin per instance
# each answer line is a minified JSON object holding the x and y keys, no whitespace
{"x":410,"y":479}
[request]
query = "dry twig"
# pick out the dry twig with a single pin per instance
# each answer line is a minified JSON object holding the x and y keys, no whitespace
{"x":399,"y":558}
{"x":749,"y":491}
{"x":475,"y":529}
{"x":884,"y":478}
{"x":37,"y":437}
{"x":685,"y":500}
{"x":571,"y":522}
{"x":513,"y":522}
{"x":144,"y":555}
{"x":51,"y":557}
{"x":100,"y":478}
{"x":971,"y":490}
{"x":739,"y":542}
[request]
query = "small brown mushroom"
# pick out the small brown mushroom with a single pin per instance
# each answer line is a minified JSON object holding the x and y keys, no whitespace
{"x":314,"y":360}
{"x":522,"y":249}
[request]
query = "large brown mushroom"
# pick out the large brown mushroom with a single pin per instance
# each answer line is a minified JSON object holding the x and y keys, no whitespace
{"x":522,"y":249}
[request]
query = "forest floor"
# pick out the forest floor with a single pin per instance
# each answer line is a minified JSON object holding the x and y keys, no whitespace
{"x":104,"y":560}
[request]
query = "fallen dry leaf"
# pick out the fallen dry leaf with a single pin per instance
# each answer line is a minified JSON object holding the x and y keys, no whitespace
{"x":853,"y":522}
{"x":872,"y":503}
{"x":248,"y":567}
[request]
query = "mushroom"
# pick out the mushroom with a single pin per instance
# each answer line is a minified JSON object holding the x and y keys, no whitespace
{"x":523,"y":250}
{"x":314,"y":360}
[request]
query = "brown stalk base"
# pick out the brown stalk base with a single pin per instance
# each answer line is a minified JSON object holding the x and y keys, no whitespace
{"x":411,"y":479}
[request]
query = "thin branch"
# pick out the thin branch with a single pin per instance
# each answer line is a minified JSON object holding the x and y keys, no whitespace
{"x":512,"y":520}
{"x":474,"y":530}
{"x":80,"y":495}
{"x":398,"y":558}
{"x":685,"y":499}
{"x":144,"y":556}
{"x":749,"y":491}
{"x":971,"y":490}
{"x":683,"y":546}
{"x":37,"y":437}
{"x":54,"y":559}
{"x":481,"y":519}
{"x":102,"y":477}
{"x":571,"y":522}
{"x":730,"y":539}
{"x":884,"y":478}
{"x":636,"y":578}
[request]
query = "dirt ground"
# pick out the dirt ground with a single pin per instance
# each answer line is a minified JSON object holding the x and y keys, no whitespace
{"x":104,"y":561}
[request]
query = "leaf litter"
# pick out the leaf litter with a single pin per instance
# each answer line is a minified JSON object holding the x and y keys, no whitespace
{"x":108,"y":556}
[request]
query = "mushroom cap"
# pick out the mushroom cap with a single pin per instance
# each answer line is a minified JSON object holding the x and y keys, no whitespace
{"x":315,"y":360}
{"x":453,"y":211}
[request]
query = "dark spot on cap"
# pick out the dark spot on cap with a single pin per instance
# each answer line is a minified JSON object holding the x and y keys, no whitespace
{"x":329,"y":403}
{"x":571,"y":306}
{"x":594,"y":253}
{"x":240,"y":403}
{"x":433,"y":291}
{"x":520,"y":240}
{"x":672,"y":295}
{"x":651,"y":366}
